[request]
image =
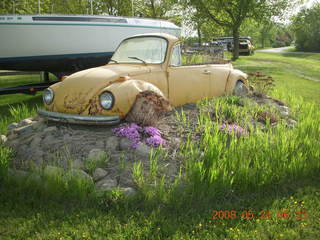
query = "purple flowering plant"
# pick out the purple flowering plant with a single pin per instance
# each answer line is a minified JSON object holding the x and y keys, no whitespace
{"x":152,"y":131}
{"x":149,"y":135}
{"x":233,"y":128}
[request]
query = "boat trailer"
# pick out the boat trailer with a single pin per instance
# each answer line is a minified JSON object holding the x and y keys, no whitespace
{"x":27,"y":89}
{"x":32,"y":88}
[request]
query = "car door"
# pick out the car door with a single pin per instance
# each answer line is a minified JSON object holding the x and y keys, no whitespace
{"x":187,"y":83}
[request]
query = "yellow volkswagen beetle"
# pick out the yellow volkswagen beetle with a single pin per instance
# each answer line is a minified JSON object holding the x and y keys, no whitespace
{"x":148,"y":62}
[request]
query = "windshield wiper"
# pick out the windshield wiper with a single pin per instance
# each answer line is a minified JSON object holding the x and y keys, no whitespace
{"x":113,"y":61}
{"x":138,"y":59}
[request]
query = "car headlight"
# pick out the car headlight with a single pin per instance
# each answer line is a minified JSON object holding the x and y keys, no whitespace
{"x":107,"y":100}
{"x":48,"y":96}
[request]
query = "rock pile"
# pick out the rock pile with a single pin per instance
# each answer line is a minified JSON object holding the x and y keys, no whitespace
{"x":94,"y":153}
{"x":89,"y":151}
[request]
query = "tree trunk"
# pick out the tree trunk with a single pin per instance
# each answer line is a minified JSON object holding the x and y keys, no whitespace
{"x":235,"y":52}
{"x":262,"y":41}
{"x":199,"y":34}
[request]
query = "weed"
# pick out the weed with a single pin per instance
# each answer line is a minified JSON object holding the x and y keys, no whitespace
{"x":91,"y":164}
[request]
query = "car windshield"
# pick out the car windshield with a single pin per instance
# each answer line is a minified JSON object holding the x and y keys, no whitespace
{"x":141,"y":50}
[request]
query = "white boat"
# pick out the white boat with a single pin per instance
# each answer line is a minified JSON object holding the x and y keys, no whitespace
{"x":68,"y":43}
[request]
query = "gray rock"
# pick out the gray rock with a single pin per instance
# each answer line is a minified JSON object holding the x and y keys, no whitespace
{"x":143,"y":151}
{"x":52,"y":171}
{"x":125,"y":144}
{"x":128,"y":191}
{"x":23,"y":130}
{"x":37,"y":118}
{"x":12,"y":136}
{"x":284,"y":110}
{"x":12,"y":126}
{"x":112,"y":144}
{"x":26,"y":122}
{"x":67,"y":138}
{"x":18,"y":174}
{"x":3,"y":139}
{"x":118,"y":156}
{"x":48,"y":140}
{"x":12,"y":143}
{"x":80,"y":174}
{"x":37,"y":157}
{"x":36,"y":141}
{"x":50,"y":129}
{"x":100,"y":144}
{"x":106,"y":184}
{"x":99,"y":173}
{"x":40,"y":125}
{"x":77,"y":164}
{"x":34,"y":178}
{"x":291,"y":123}
{"x":97,"y":154}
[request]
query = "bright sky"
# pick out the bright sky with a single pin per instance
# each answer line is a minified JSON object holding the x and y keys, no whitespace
{"x":309,"y":3}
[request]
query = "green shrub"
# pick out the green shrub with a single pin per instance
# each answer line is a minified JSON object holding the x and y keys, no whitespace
{"x":306,"y":25}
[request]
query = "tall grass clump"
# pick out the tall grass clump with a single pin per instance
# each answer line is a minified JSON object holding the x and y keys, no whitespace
{"x":17,"y":113}
{"x":21,"y":112}
{"x":5,"y":155}
{"x":223,"y":162}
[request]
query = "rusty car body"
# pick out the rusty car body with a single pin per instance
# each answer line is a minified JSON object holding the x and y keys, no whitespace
{"x":147,"y":62}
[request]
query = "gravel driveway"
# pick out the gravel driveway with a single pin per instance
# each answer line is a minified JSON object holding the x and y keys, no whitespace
{"x":283,"y":50}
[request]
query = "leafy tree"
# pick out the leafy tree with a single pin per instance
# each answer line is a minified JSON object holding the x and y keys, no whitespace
{"x":110,"y":7}
{"x":306,"y":26}
{"x":231,"y":14}
{"x":114,"y":7}
{"x":154,"y":8}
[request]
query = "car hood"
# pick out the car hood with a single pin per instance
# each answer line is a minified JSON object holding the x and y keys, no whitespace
{"x":75,"y":93}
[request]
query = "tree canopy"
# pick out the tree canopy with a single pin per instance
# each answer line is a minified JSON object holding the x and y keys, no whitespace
{"x":231,"y":14}
{"x":306,"y":26}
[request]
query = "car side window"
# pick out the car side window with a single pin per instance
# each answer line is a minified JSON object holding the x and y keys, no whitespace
{"x":176,"y":56}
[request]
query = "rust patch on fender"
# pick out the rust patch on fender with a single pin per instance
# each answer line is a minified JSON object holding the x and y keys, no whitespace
{"x":73,"y":102}
{"x":94,"y":106}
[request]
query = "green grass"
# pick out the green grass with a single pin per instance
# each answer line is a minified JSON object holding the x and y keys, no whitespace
{"x":295,"y":74}
{"x":139,"y":219}
{"x":18,"y":101}
{"x":275,"y":170}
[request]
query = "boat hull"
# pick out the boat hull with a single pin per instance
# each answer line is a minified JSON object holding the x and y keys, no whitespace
{"x":67,"y":44}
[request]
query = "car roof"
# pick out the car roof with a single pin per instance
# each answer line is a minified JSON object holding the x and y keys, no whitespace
{"x":167,"y":36}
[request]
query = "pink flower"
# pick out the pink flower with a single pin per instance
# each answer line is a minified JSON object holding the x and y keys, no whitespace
{"x":155,"y":141}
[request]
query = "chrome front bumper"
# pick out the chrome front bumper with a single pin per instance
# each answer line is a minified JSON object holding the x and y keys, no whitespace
{"x":79,"y":119}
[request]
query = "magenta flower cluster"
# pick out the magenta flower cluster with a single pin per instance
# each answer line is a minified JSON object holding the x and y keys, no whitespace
{"x":233,"y":128}
{"x":149,"y":135}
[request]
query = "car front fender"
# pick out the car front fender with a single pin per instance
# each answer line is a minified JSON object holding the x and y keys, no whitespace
{"x":235,"y":76}
{"x":125,"y":94}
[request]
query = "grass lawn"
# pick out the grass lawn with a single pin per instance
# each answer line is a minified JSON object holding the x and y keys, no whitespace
{"x":273,"y":199}
{"x":296,"y":74}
